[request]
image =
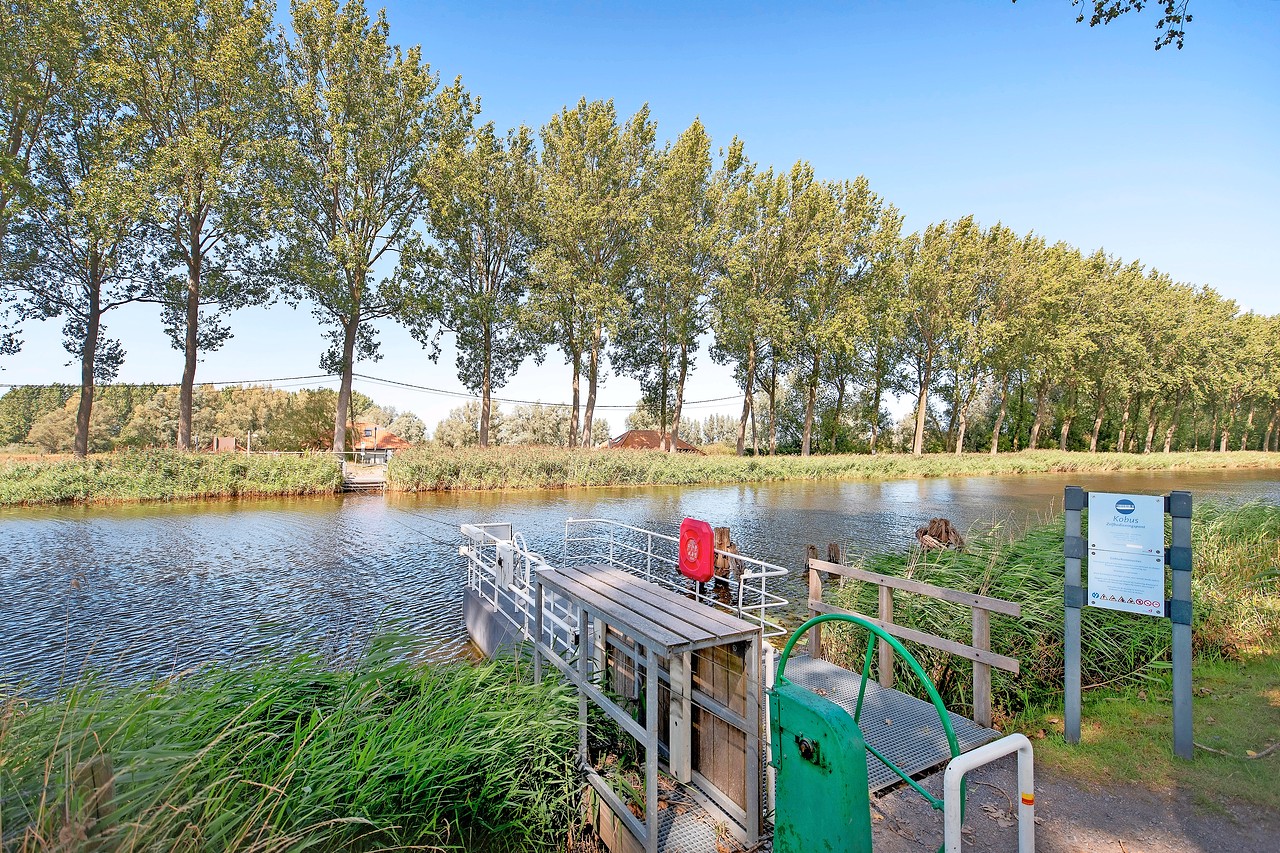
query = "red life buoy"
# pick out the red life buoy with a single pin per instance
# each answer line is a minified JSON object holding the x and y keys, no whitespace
{"x":697,"y":550}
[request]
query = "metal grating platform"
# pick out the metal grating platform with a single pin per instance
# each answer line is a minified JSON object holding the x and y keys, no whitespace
{"x":906,"y":730}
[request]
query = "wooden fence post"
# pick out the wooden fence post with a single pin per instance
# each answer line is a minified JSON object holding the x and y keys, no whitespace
{"x":884,"y":665}
{"x":94,"y":782}
{"x":815,"y":594}
{"x":982,"y":671}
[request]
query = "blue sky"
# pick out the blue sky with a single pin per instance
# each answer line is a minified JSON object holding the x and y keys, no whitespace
{"x":1011,"y":112}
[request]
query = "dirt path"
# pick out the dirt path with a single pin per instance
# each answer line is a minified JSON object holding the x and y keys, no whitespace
{"x":1074,"y":819}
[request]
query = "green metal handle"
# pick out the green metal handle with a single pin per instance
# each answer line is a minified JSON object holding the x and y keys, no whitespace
{"x":878,"y":633}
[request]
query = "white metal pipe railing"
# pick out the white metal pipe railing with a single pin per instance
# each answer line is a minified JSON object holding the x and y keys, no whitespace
{"x":602,"y":540}
{"x":962,"y":764}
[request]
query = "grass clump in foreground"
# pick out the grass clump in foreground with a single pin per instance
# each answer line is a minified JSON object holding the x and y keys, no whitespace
{"x":296,"y":756}
{"x":167,"y":475}
{"x":439,"y":469}
{"x":1235,"y":593}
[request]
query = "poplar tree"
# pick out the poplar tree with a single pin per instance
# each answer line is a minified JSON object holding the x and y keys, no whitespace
{"x":81,"y":247}
{"x":40,"y":53}
{"x":592,"y":174}
{"x":473,"y":278}
{"x":365,"y":119}
{"x":200,"y":81}
{"x":759,"y":264}
{"x":669,"y":293}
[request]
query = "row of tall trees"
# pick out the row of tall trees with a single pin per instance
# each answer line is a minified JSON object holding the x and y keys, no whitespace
{"x":186,"y":153}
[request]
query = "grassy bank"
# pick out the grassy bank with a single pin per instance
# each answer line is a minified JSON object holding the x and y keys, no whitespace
{"x":158,"y":475}
{"x":292,"y":757}
{"x":437,"y":469}
{"x":1126,"y":734}
{"x":1235,"y":589}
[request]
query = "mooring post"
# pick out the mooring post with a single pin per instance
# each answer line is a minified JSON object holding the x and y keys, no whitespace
{"x":833,"y":556}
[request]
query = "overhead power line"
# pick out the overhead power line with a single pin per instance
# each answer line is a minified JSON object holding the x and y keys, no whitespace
{"x":395,"y":383}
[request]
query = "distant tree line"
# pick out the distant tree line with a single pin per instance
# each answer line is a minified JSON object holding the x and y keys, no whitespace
{"x":260,"y":418}
{"x":187,"y":153}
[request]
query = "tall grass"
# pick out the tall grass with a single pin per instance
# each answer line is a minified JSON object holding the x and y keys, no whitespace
{"x":1235,"y":591}
{"x":166,"y":475}
{"x":296,"y":757}
{"x":437,"y":468}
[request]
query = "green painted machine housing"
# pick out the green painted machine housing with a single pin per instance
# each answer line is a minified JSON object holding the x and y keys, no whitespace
{"x":822,"y":801}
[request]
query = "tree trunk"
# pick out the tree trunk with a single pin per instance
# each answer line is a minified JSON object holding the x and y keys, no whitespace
{"x":835,"y":421}
{"x":747,"y":409}
{"x":1124,"y":423}
{"x":1066,"y":428}
{"x":1151,"y":425}
{"x":1271,"y":428}
{"x":810,"y":402}
{"x":1022,"y":408}
{"x":1173,"y":425}
{"x":1098,"y":414}
{"x":573,"y":415}
{"x":593,"y":382}
{"x":1248,"y":425}
{"x":1041,"y":393}
{"x":1004,"y":407}
{"x":953,"y":422}
{"x":875,"y":415}
{"x":485,"y":382}
{"x":87,"y":354}
{"x":1226,"y":429}
{"x":773,"y":408}
{"x":1213,"y":429}
{"x":922,"y":406}
{"x":962,"y":422}
{"x":344,"y":387}
{"x":186,"y":393}
{"x":675,"y":415}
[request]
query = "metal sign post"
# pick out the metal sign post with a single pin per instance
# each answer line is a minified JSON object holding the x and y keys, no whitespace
{"x":1127,"y":554}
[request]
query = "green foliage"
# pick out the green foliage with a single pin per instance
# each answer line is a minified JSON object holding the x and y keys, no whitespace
{"x":592,"y":175}
{"x":166,"y":475}
{"x":473,"y":278}
{"x":22,"y":406}
{"x":368,"y":117}
{"x":381,"y":754}
{"x":199,"y":84}
{"x":442,"y":468}
{"x":1237,"y":608}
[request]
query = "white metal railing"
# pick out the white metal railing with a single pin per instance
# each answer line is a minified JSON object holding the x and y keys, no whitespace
{"x":654,"y":557}
{"x":500,"y":567}
{"x":953,"y":800}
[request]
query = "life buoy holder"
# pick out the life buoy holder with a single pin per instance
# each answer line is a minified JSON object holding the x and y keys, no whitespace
{"x":697,"y":550}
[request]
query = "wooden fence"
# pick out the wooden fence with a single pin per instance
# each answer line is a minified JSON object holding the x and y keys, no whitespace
{"x":981,"y":607}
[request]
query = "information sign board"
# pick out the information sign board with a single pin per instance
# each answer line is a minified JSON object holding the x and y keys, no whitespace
{"x":1130,"y":582}
{"x":1129,"y":524}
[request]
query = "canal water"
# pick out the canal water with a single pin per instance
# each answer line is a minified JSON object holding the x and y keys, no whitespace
{"x":149,"y":591}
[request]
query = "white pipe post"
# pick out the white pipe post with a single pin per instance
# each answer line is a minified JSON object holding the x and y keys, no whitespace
{"x":962,"y":764}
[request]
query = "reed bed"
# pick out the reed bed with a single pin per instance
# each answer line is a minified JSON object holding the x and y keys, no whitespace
{"x":296,"y":756}
{"x":441,"y":469}
{"x":160,"y":475}
{"x":1235,"y":590}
